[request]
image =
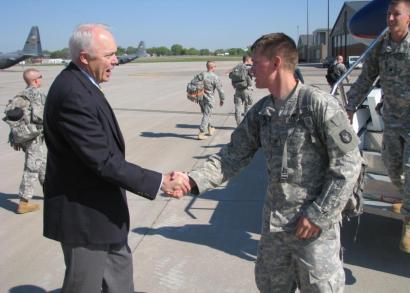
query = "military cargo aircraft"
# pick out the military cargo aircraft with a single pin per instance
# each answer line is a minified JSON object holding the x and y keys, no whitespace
{"x":32,"y":48}
{"x":141,"y":52}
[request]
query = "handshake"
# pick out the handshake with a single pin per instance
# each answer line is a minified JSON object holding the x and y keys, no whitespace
{"x":176,"y":184}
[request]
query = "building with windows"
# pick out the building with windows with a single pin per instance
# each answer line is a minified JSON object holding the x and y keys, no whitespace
{"x":342,"y":41}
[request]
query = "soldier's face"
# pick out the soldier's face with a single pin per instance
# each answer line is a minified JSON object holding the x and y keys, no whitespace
{"x":102,"y":60}
{"x":398,"y":18}
{"x":263,"y":69}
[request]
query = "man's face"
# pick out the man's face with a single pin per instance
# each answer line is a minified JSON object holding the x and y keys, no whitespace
{"x":212,"y":67}
{"x":398,"y":18}
{"x":102,"y":59}
{"x":339,"y":59}
{"x":263,"y":69}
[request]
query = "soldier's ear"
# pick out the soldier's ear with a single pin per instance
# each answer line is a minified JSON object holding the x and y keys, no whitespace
{"x":277,"y":61}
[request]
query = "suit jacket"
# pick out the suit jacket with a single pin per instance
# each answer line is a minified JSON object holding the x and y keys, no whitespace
{"x":87,"y":174}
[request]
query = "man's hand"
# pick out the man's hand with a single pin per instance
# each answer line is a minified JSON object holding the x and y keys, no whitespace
{"x":350,"y":116}
{"x":221,"y":103}
{"x":305,"y":229}
{"x":175,"y":184}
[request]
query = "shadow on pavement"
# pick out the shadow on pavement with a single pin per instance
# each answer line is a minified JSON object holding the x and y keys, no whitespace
{"x":30,"y":289}
{"x":7,"y":203}
{"x":377,"y":245}
{"x":196,"y":126}
{"x":167,"y":134}
{"x":235,"y":219}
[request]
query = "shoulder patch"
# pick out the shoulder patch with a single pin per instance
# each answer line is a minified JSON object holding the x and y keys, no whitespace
{"x":345,"y":136}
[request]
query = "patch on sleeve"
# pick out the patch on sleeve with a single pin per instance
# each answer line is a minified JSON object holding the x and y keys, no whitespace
{"x":342,"y":134}
{"x":345,"y":136}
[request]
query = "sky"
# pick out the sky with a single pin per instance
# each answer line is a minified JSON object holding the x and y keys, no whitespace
{"x":206,"y":24}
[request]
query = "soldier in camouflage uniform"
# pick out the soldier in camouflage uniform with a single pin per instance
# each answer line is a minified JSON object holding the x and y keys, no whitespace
{"x":211,"y":83}
{"x":35,"y":150}
{"x":243,"y":97}
{"x":313,"y":163}
{"x":338,"y":69}
{"x":390,"y":60}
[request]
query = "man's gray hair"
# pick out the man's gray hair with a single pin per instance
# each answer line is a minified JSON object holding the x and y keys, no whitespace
{"x":82,"y":39}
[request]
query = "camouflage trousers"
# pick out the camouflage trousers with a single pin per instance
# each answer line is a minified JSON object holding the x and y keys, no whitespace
{"x":34,"y":167}
{"x":206,"y":110}
{"x":285,"y":262}
{"x":241,"y":99}
{"x":396,"y":158}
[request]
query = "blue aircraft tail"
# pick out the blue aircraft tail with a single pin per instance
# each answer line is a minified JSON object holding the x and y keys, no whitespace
{"x":370,"y":21}
{"x":32,"y":47}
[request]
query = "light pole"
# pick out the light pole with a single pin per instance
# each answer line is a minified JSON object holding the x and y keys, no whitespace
{"x":307,"y":31}
{"x":328,"y":30}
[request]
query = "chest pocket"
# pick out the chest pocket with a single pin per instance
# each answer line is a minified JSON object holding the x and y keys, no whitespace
{"x":393,"y":65}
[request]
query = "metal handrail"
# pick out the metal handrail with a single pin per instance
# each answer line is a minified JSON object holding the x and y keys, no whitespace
{"x":347,"y":73}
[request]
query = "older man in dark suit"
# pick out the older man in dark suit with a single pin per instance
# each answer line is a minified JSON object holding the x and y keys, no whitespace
{"x":85,"y":206}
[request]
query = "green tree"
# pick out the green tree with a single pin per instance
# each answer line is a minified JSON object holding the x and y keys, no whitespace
{"x":120,"y":51}
{"x":192,"y":51}
{"x":177,"y":49}
{"x":131,"y":50}
{"x":219,"y":51}
{"x":204,"y":52}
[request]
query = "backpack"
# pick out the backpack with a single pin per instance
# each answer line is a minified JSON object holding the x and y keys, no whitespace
{"x":331,"y":75}
{"x":195,"y":88}
{"x":18,"y":117}
{"x":355,"y":203}
{"x":238,"y":77}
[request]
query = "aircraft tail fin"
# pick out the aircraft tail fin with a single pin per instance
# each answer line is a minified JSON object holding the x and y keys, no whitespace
{"x":32,"y":47}
{"x":141,"y":51}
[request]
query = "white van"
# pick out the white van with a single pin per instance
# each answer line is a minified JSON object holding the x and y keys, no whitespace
{"x":352,"y":59}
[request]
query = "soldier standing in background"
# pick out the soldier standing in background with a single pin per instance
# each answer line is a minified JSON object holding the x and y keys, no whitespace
{"x":313,"y":163}
{"x":390,"y":60}
{"x":211,"y":82}
{"x":242,"y":82}
{"x":35,"y":149}
{"x":335,"y":71}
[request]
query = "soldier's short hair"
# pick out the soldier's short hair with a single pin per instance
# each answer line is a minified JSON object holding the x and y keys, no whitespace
{"x":278,"y":44}
{"x":30,"y":74}
{"x":209,"y":63}
{"x":246,"y":57}
{"x":82,"y":39}
{"x":395,"y":2}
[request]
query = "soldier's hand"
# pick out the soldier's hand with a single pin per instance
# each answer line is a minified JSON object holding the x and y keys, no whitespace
{"x":350,"y":116}
{"x":305,"y":229}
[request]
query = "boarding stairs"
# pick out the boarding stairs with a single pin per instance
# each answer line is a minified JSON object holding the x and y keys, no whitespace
{"x":379,"y":192}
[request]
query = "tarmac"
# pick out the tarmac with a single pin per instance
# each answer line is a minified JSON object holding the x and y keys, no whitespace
{"x":195,"y":244}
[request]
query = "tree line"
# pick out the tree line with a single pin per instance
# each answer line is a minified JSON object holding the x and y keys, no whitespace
{"x":174,"y":50}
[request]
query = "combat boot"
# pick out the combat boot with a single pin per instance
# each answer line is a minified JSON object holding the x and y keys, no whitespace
{"x":26,"y":207}
{"x":201,"y":136}
{"x":211,"y":131}
{"x":405,"y":236}
{"x":396,"y":207}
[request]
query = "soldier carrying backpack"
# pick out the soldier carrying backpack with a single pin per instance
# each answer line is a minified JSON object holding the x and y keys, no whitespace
{"x":335,"y":71}
{"x":24,"y":115}
{"x":242,"y":82}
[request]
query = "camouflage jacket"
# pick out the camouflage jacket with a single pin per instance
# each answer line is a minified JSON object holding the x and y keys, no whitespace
{"x":212,"y":83}
{"x":390,"y":61}
{"x":322,"y":167}
{"x":246,"y":92}
{"x":37,"y":101}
